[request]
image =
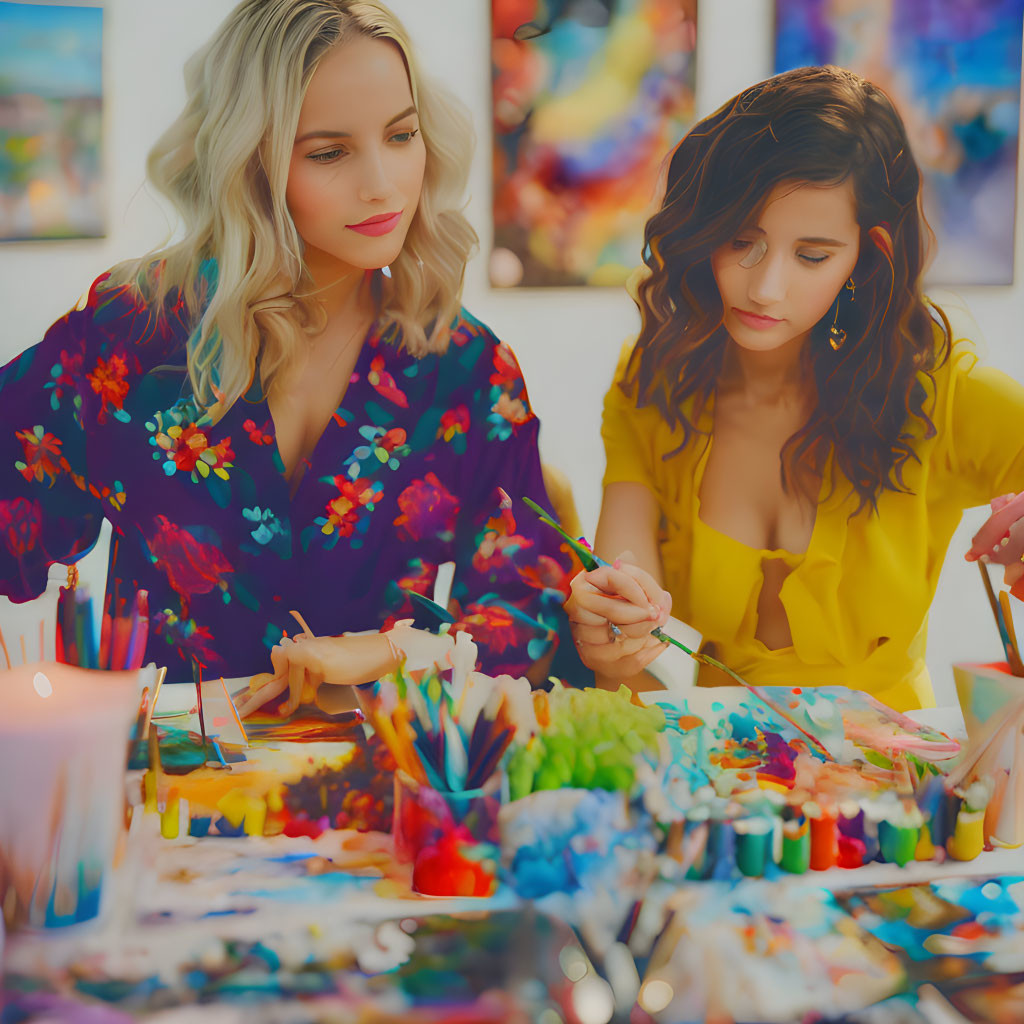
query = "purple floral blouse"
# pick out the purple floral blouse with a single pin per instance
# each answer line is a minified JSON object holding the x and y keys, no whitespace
{"x":98,"y":421}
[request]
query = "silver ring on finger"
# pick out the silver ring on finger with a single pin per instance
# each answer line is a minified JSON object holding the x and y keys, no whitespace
{"x":615,"y":635}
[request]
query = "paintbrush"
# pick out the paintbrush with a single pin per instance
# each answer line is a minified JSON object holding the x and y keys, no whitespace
{"x":197,"y":678}
{"x":139,"y":732}
{"x":592,"y":561}
{"x":1004,"y":621}
{"x":1016,"y":665}
{"x":160,"y":674}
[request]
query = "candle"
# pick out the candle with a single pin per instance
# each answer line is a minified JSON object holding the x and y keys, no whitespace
{"x":64,"y":736}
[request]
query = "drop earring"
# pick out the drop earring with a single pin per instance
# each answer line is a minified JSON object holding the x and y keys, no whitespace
{"x":836,"y":334}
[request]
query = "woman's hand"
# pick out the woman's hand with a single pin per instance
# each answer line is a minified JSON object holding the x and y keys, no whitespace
{"x":303,"y":664}
{"x":1001,"y":540}
{"x":612,"y":610}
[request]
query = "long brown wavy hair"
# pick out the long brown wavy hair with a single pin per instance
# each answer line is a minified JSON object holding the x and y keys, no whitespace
{"x":816,"y":125}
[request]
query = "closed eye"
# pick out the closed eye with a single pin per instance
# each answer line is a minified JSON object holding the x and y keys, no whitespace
{"x":814,"y":260}
{"x":327,"y":156}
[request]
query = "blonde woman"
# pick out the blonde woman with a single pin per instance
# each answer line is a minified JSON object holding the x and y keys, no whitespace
{"x":287,"y":408}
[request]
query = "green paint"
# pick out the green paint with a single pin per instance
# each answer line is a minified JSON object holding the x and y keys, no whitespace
{"x":898,"y":842}
{"x":796,"y":850}
{"x":753,"y":848}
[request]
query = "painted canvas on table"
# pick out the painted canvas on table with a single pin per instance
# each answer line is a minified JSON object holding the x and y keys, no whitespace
{"x":953,"y":70}
{"x":50,"y":121}
{"x":588,"y":97}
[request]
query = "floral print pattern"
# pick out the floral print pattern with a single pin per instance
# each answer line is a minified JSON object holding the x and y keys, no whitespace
{"x":98,"y":421}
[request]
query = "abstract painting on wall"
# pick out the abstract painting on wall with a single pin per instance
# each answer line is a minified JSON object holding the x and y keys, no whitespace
{"x":588,"y":98}
{"x":953,"y":70}
{"x":51,"y":101}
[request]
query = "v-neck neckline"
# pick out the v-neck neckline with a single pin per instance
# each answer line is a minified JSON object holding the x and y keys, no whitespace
{"x":357,"y":375}
{"x":796,"y":559}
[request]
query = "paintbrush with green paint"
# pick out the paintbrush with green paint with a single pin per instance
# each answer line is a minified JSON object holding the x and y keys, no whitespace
{"x":592,"y":561}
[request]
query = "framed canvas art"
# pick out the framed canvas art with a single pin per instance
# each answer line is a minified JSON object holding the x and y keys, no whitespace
{"x":589,"y":96}
{"x":953,"y":70}
{"x":51,"y":106}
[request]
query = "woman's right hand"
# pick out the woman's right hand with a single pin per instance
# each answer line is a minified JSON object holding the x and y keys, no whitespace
{"x":612,"y":610}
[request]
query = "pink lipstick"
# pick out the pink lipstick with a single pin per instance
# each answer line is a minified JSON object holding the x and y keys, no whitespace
{"x":379,"y":225}
{"x":755,"y":320}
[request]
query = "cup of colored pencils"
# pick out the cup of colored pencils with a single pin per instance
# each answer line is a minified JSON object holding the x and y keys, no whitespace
{"x":124,"y":630}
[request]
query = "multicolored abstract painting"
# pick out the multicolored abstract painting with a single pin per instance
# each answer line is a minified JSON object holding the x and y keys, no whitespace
{"x":589,"y":96}
{"x":953,"y":69}
{"x":51,"y":101}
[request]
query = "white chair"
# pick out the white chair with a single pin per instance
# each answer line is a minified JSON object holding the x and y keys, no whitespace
{"x":30,"y":629}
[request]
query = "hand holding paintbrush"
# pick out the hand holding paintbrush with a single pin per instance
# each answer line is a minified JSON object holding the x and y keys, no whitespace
{"x":1000,"y":539}
{"x":592,"y":564}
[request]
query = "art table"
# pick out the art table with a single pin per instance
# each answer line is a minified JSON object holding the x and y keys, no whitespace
{"x":290,"y":928}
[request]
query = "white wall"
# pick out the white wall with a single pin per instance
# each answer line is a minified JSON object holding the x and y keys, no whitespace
{"x":566,"y":340}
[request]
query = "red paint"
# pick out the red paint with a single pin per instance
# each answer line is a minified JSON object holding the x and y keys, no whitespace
{"x":442,"y":869}
{"x":851,"y":852}
{"x":824,"y":842}
{"x":305,"y":827}
{"x":969,"y":930}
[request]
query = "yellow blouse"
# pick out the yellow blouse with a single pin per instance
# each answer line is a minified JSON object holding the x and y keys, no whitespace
{"x":857,"y":600}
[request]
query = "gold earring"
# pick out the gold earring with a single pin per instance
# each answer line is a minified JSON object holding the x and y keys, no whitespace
{"x":836,"y":335}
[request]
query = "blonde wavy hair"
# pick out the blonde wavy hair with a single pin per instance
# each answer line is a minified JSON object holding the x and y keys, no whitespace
{"x":224,"y":165}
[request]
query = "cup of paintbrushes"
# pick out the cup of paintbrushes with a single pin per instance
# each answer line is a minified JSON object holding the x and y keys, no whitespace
{"x":64,"y":733}
{"x":450,"y":838}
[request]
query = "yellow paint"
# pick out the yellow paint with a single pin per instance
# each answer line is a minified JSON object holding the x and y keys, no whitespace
{"x":244,"y":809}
{"x":255,"y":816}
{"x":765,"y":783}
{"x":149,"y":792}
{"x":968,"y":839}
{"x":232,"y":805}
{"x":169,"y":818}
{"x":925,"y":849}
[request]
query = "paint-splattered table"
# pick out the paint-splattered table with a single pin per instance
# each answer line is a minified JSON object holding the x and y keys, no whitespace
{"x":326,"y":928}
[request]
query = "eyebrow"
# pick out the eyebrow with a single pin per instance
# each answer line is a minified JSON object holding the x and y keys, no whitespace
{"x":348,"y":135}
{"x":808,"y":241}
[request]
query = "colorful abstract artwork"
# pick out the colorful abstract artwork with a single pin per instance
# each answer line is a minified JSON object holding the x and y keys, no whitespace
{"x":588,"y":97}
{"x":51,"y":102}
{"x":953,"y":70}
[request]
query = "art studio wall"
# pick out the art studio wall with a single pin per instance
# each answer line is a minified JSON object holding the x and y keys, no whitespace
{"x":567,"y":339}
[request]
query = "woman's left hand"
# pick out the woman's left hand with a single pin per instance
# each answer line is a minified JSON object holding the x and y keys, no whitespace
{"x":303,"y":664}
{"x":1001,"y":540}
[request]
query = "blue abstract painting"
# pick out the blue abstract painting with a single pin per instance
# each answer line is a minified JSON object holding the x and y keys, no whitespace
{"x":953,"y":70}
